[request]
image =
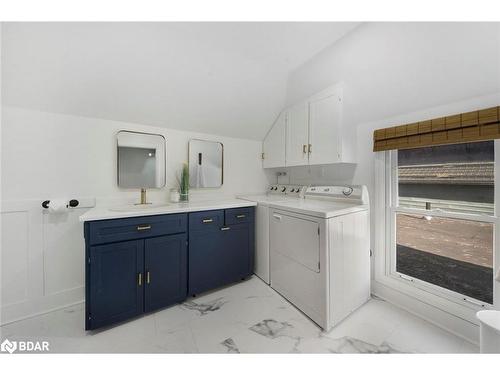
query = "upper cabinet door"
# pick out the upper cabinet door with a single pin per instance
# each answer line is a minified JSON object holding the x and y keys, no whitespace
{"x":297,"y":137}
{"x":274,"y":144}
{"x":325,"y":114}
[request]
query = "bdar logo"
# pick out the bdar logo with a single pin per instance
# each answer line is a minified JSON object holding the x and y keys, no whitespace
{"x":8,"y":346}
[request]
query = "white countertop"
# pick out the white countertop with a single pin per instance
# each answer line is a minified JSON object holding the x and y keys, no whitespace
{"x":104,"y":213}
{"x":266,"y":199}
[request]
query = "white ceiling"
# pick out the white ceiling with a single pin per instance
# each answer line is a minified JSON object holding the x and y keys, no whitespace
{"x":220,"y":78}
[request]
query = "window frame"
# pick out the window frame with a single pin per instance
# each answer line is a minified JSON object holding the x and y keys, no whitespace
{"x":386,"y":173}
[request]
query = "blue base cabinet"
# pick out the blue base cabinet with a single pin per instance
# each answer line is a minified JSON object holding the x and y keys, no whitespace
{"x":220,"y":253}
{"x":138,"y":265}
{"x":144,"y":270}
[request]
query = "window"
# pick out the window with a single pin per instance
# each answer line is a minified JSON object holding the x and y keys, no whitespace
{"x":442,"y":218}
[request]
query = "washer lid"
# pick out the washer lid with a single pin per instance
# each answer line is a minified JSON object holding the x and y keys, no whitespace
{"x":319,"y":208}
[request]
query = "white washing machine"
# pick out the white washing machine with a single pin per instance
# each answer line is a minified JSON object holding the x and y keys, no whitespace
{"x":320,"y":251}
{"x":275,"y":194}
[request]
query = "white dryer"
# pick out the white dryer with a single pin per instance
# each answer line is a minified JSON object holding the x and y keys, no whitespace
{"x":320,"y":251}
{"x":275,"y":194}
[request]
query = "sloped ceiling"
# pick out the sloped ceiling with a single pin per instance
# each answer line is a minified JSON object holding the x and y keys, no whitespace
{"x":220,"y":78}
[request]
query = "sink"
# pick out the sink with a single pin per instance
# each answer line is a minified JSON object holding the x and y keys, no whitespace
{"x":138,"y":207}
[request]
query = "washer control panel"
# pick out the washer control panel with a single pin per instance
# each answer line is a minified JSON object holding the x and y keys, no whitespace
{"x":355,"y":193}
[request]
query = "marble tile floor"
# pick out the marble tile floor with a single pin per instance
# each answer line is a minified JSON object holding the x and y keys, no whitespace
{"x":248,"y":317}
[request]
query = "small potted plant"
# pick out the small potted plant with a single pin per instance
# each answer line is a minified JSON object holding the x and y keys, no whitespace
{"x":183,"y":181}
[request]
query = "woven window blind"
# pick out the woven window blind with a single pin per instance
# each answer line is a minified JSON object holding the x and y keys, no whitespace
{"x":472,"y":126}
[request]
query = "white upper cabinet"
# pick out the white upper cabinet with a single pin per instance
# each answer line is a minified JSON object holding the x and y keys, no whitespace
{"x":325,"y":133}
{"x":310,"y":133}
{"x":274,"y":144}
{"x":297,"y":138}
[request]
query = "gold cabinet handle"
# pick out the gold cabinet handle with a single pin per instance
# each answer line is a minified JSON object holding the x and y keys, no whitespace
{"x":206,"y":221}
{"x":225,"y":228}
{"x":241,"y":216}
{"x":148,"y":277}
{"x":139,"y":279}
{"x":143,"y":227}
{"x":309,"y":150}
{"x":304,"y":149}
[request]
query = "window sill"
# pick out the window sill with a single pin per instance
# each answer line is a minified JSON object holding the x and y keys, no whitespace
{"x":464,"y":328}
{"x":454,"y":306}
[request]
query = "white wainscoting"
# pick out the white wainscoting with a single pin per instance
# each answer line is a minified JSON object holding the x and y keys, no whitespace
{"x":42,"y":259}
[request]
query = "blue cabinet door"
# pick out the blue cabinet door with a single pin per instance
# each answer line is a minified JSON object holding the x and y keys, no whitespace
{"x":115,"y":282}
{"x":219,"y":256}
{"x":165,"y":266}
{"x":235,"y":252}
{"x":204,"y":260}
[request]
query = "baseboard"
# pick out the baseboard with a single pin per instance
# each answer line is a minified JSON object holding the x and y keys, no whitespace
{"x":42,"y":305}
{"x":451,"y":323}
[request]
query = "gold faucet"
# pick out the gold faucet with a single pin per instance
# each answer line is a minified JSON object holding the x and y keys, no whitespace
{"x":143,"y":196}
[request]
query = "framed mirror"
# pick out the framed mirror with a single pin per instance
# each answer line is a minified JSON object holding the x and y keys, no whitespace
{"x":205,"y":164}
{"x":141,"y":160}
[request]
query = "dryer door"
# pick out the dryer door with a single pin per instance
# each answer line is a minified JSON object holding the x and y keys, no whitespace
{"x":296,"y":251}
{"x":295,"y":238}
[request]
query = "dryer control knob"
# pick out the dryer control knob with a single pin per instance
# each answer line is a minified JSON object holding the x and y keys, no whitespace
{"x":347,"y":191}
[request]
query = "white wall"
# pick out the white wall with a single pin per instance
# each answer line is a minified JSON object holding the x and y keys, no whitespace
{"x":48,"y":155}
{"x":393,"y":68}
